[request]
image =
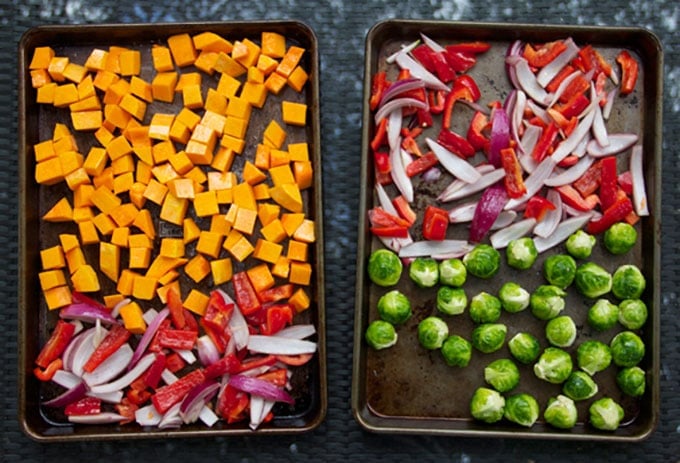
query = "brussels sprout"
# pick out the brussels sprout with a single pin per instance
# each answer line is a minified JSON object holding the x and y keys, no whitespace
{"x":554,"y":365}
{"x":381,"y":334}
{"x":394,"y":307}
{"x":489,"y":337}
{"x":561,"y":412}
{"x":502,"y":375}
{"x":628,"y":282}
{"x":592,"y":280}
{"x":627,"y":349}
{"x":457,"y":351}
{"x":561,"y":331}
{"x":620,"y":238}
{"x":452,"y":272}
{"x":632,"y":313}
{"x":605,"y":414}
{"x":483,"y":261}
{"x":487,"y":405}
{"x":451,"y":301}
{"x":631,"y":381}
{"x":384,"y":267}
{"x":559,"y":270}
{"x":603,"y":315}
{"x":513,"y":297}
{"x":424,"y":271}
{"x":593,"y":356}
{"x":432,"y":332}
{"x":524,"y":347}
{"x":521,"y":253}
{"x":485,"y":308}
{"x":580,"y":244}
{"x":547,"y":301}
{"x":579,"y":386}
{"x":521,"y":409}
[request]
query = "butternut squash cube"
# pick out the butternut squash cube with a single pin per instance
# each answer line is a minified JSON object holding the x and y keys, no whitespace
{"x":182,"y":188}
{"x":297,"y":79}
{"x":215,"y":102}
{"x":40,"y":78}
{"x":243,"y":196}
{"x":75,"y":258}
{"x":274,"y":231}
{"x":228,"y":86}
{"x":281,"y":175}
{"x":104,"y":224}
{"x":196,"y":302}
{"x":51,"y":279}
{"x":245,"y":220}
{"x":163,"y":86}
{"x":267,"y":251}
{"x":262,"y":154}
{"x":126,"y":282}
{"x":56,"y":68}
{"x":274,"y":134}
{"x":237,"y":145}
{"x":209,"y":243}
{"x":260,"y":277}
{"x":266,"y":64}
{"x":236,"y":127}
{"x":174,"y":209}
{"x":225,"y":64}
{"x":57,"y":297}
{"x":298,"y":151}
{"x":52,"y":258}
{"x":124,"y":214}
{"x":134,"y":106}
{"x":197,"y":268}
{"x":182,"y":49}
{"x":205,"y":61}
{"x":254,"y":93}
{"x":297,"y":251}
{"x":121,"y":236}
{"x":273,"y":44}
{"x":299,"y":300}
{"x":305,"y":232}
{"x":130,"y":62}
{"x":267,"y":213}
{"x":68,"y":241}
{"x":41,"y":57}
{"x":190,"y":231}
{"x":290,"y":60}
{"x":155,"y":191}
{"x":162,"y":58}
{"x":141,"y":88}
{"x":219,"y":225}
{"x":278,"y":158}
{"x":223,"y":160}
{"x":88,"y":232}
{"x":60,"y":212}
{"x":189,"y":118}
{"x":139,"y":257}
{"x":212,"y":42}
{"x":288,"y":196}
{"x":192,"y":97}
{"x":132,"y":318}
{"x":221,"y":270}
{"x":65,"y":95}
{"x":109,"y":260}
{"x":86,"y":120}
{"x":294,"y":113}
{"x":75,"y":72}
{"x":144,"y":287}
{"x":205,"y":204}
{"x":300,"y":273}
{"x":159,"y":127}
{"x":275,"y":83}
{"x":281,"y":268}
{"x":85,"y":279}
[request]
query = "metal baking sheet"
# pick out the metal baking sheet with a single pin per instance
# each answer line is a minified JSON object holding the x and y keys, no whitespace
{"x":406,"y":389}
{"x":36,"y":123}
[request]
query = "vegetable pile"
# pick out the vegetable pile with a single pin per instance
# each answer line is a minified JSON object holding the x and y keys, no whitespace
{"x":183,"y":253}
{"x":535,"y":171}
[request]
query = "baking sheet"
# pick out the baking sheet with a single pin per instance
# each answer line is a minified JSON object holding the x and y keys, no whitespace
{"x":406,"y":389}
{"x":36,"y":123}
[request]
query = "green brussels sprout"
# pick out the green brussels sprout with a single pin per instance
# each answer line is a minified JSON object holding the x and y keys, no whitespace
{"x":559,"y":270}
{"x":620,"y":238}
{"x":580,"y":244}
{"x":424,"y":271}
{"x":554,"y":365}
{"x":384,"y":267}
{"x":631,"y":381}
{"x":605,"y":414}
{"x":381,"y":335}
{"x":513,"y":297}
{"x":521,"y":253}
{"x":394,"y":307}
{"x":485,"y":308}
{"x":432,"y":332}
{"x":561,"y":331}
{"x":632,"y":313}
{"x":593,"y":356}
{"x":547,"y":301}
{"x":502,"y":375}
{"x":627,"y":349}
{"x":524,"y":347}
{"x":487,"y":405}
{"x":489,"y":337}
{"x":457,"y":351}
{"x":561,"y":412}
{"x":603,"y":315}
{"x":628,"y":282}
{"x":592,"y":280}
{"x":579,"y":386}
{"x":521,"y":409}
{"x":452,"y":272}
{"x":483,"y":261}
{"x":451,"y":301}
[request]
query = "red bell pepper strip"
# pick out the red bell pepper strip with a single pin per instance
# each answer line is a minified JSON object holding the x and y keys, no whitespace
{"x":219,"y":337}
{"x":382,"y":162}
{"x":116,"y":337}
{"x":458,"y":92}
{"x":278,"y":377}
{"x":537,"y":207}
{"x":411,"y":146}
{"x":543,"y":55}
{"x":568,"y":161}
{"x":404,"y":209}
{"x":177,"y":339}
{"x":84,"y":406}
{"x":424,"y":118}
{"x":256,"y":362}
{"x":459,"y":61}
{"x":217,"y":313}
{"x":153,"y":375}
{"x":168,"y":395}
{"x":589,"y":182}
{"x":625,"y":181}
{"x":276,"y":293}
{"x":577,"y":86}
{"x":381,"y":218}
{"x":380,"y":137}
{"x":435,"y":223}
{"x":229,"y":364}
{"x":138,"y":396}
{"x":514,"y":182}
{"x":411,"y":132}
{"x":378,"y":85}
{"x":394,"y":231}
{"x":475,"y":135}
{"x":545,"y":142}
{"x":470,"y":48}
{"x":565,"y":72}
{"x":245,"y":295}
{"x":455,"y":143}
{"x":56,"y":344}
{"x":424,"y":55}
{"x":421,"y":164}
{"x":176,"y":309}
{"x":174,"y":362}
{"x":613,"y":214}
{"x":48,"y":373}
{"x":436,"y":100}
{"x":629,"y":71}
{"x":468,"y":82}
{"x":127,"y":409}
{"x":574,"y":106}
{"x":232,"y":404}
{"x":442,"y":68}
{"x":574,"y":199}
{"x":608,"y":181}
{"x":278,"y":317}
{"x":295,"y":360}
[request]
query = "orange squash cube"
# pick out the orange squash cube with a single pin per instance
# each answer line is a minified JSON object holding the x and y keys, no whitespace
{"x":182,"y":49}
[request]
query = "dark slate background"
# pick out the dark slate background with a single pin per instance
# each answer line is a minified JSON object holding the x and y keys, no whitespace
{"x":341,"y":28}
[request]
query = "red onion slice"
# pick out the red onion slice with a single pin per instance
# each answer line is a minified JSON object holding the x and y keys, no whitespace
{"x":99,"y":418}
{"x":71,"y":395}
{"x":418,"y":71}
{"x":399,"y":176}
{"x":399,"y":87}
{"x":111,"y":367}
{"x":562,"y":232}
{"x":502,"y":238}
{"x":457,"y":184}
{"x":528,"y":83}
{"x":171,"y":418}
{"x":462,"y":213}
{"x":485,"y":181}
{"x":238,"y":326}
{"x":638,"y":176}
{"x":207,"y":351}
{"x":607,"y":109}
{"x":87,"y":313}
{"x":125,"y":380}
{"x":396,"y":104}
{"x":599,"y":129}
{"x":260,"y":388}
{"x":404,"y":49}
{"x":279,"y":346}
{"x":259,"y":409}
{"x":567,"y":146}
{"x":457,"y":166}
{"x":430,"y":248}
{"x":534,"y":182}
{"x":571,"y":174}
{"x":208,"y":417}
{"x":514,"y":50}
{"x":517,"y":116}
{"x":563,"y":86}
{"x":505,"y":218}
{"x":297,"y":331}
{"x":549,"y":71}
{"x":394,"y":128}
{"x":552,"y":218}
{"x":82,"y":352}
{"x":432,"y":44}
{"x":539,"y":112}
{"x":196,"y":399}
{"x":500,"y":135}
{"x":147,"y":416}
{"x":148,"y":336}
{"x":489,"y":207}
{"x":618,"y":142}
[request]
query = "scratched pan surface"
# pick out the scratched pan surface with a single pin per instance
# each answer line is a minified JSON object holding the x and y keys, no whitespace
{"x":37,"y":123}
{"x":406,"y":389}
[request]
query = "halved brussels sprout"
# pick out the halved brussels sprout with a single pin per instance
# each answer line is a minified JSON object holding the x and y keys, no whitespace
{"x":384,"y":267}
{"x":487,"y":405}
{"x":554,"y":365}
{"x":452,"y":272}
{"x":592,"y":280}
{"x":632,"y":313}
{"x":432,"y":332}
{"x":561,"y":412}
{"x":559,"y":270}
{"x":627,"y":349}
{"x":394,"y":307}
{"x":513,"y":297}
{"x":524,"y":347}
{"x":547,"y":301}
{"x":485,"y":308}
{"x":620,"y":238}
{"x":521,"y":253}
{"x":522,"y":409}
{"x":580,"y":244}
{"x":424,"y":271}
{"x":632,"y":381}
{"x":603,"y":315}
{"x":593,"y":356}
{"x":628,"y":282}
{"x":483,"y":261}
{"x":489,"y":337}
{"x":451,"y":301}
{"x":457,"y":351}
{"x":605,"y":414}
{"x":381,"y":335}
{"x":561,"y":331}
{"x":579,"y":386}
{"x":502,"y":375}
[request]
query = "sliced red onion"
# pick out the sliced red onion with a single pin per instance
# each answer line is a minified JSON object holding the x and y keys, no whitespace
{"x":638,"y":178}
{"x":404,"y":49}
{"x":488,"y":209}
{"x":432,"y":174}
{"x":300,"y":331}
{"x":256,"y":371}
{"x":399,"y":87}
{"x":396,"y":104}
{"x":505,"y":218}
{"x":260,"y":388}
{"x":580,"y":149}
{"x":432,"y":44}
{"x":208,"y":417}
{"x":607,"y":109}
{"x":207,"y":351}
{"x":430,"y":248}
{"x":394,"y":128}
{"x":125,"y":380}
{"x":502,"y":238}
{"x":69,"y":352}
{"x":279,"y":346}
{"x":111,"y":367}
{"x":517,"y":116}
{"x":187,"y":355}
{"x":528,"y":83}
{"x":196,"y":399}
{"x":563,"y":86}
{"x":571,"y":174}
{"x":565,"y":148}
{"x":457,"y":184}
{"x":82,"y":352}
{"x":149,"y":315}
{"x":65,"y":379}
{"x":99,"y":418}
{"x":514,"y":50}
{"x":259,"y":409}
{"x":599,"y":129}
{"x":237,"y":323}
{"x":122,"y":303}
{"x":539,"y":112}
{"x":500,"y":135}
{"x":79,"y":326}
{"x":418,"y":71}
{"x":171,"y":419}
{"x":99,"y":333}
{"x":527,"y":144}
{"x":618,"y":142}
{"x":562,"y":232}
{"x":462,"y":213}
{"x":147,"y":416}
{"x":148,"y":336}
{"x":69,"y":396}
{"x":534,"y":182}
{"x":549,"y":71}
{"x":485,"y":181}
{"x":399,"y":176}
{"x":457,"y":166}
{"x":168,"y":376}
{"x":384,"y":199}
{"x":552,"y":218}
{"x":86,"y":313}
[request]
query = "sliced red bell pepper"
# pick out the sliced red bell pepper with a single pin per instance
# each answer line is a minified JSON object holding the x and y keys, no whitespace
{"x":56,"y":344}
{"x":84,"y":406}
{"x":545,"y":54}
{"x":475,"y":133}
{"x":565,"y":72}
{"x":382,"y":162}
{"x":424,"y":118}
{"x":138,"y":396}
{"x":155,"y":346}
{"x":381,"y":218}
{"x":421,"y":164}
{"x":629,"y":71}
{"x":458,"y":92}
{"x":537,"y":207}
{"x":174,"y":362}
{"x":459,"y":61}
{"x":617,"y":212}
{"x":190,"y":322}
{"x":177,"y":339}
{"x":80,"y":298}
{"x":435,"y":223}
{"x":115,"y":338}
{"x":256,"y":362}
{"x":278,"y":316}
{"x":469,"y":48}
{"x":229,"y":364}
{"x":545,"y":142}
{"x":380,"y":137}
{"x":574,"y":106}
{"x":278,"y":377}
{"x":410,"y":145}
{"x":176,"y":308}
{"x":442,"y":68}
{"x":295,"y":360}
{"x":578,"y":86}
{"x":424,"y":55}
{"x":412,"y":132}
{"x":219,"y":337}
{"x":127,"y":409}
{"x":608,"y":181}
{"x":625,"y":181}
{"x":455,"y":143}
{"x":465,"y":80}
{"x":48,"y":373}
{"x":514,"y":182}
{"x":232,"y":405}
{"x":404,"y":209}
{"x":245,"y":295}
{"x":574,"y":199}
{"x":153,"y":375}
{"x":394,"y":231}
{"x":276,"y":293}
{"x":378,"y":85}
{"x":168,"y":395}
{"x":217,"y":312}
{"x":589,"y":182}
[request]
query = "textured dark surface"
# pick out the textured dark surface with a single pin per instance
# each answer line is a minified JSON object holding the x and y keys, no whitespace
{"x":341,"y":29}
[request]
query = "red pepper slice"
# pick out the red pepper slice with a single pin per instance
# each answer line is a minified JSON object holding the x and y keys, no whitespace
{"x":442,"y":68}
{"x":278,"y":317}
{"x":514,"y":182}
{"x":217,"y":313}
{"x":435,"y":223}
{"x":543,"y":55}
{"x":424,"y":118}
{"x":459,"y":61}
{"x":227,"y":364}
{"x":625,"y":181}
{"x":138,"y":396}
{"x":545,"y":142}
{"x":404,"y":209}
{"x":256,"y":362}
{"x":424,"y":55}
{"x":475,"y":135}
{"x":455,"y":143}
{"x":153,"y":375}
{"x":174,"y":362}
{"x":277,"y":293}
{"x":613,"y":214}
{"x":294,"y":360}
{"x":608,"y":181}
{"x":629,"y":71}
{"x":84,"y":406}
{"x":116,"y":337}
{"x":177,"y":339}
{"x":394,"y":231}
{"x":56,"y":344}
{"x":127,"y":409}
{"x":421,"y":164}
{"x":468,"y":82}
{"x":382,"y":162}
{"x":574,"y":199}
{"x":232,"y":405}
{"x":246,"y":298}
{"x":277,"y":377}
{"x":574,"y":106}
{"x":176,"y":309}
{"x":380,"y":137}
{"x":436,"y":100}
{"x":168,"y":395}
{"x":458,"y":92}
{"x":537,"y":207}
{"x":378,"y":85}
{"x":565,"y":72}
{"x":48,"y":373}
{"x":219,"y":337}
{"x":589,"y":182}
{"x":411,"y":146}
{"x":578,"y":86}
{"x":381,"y":218}
{"x":469,"y":48}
